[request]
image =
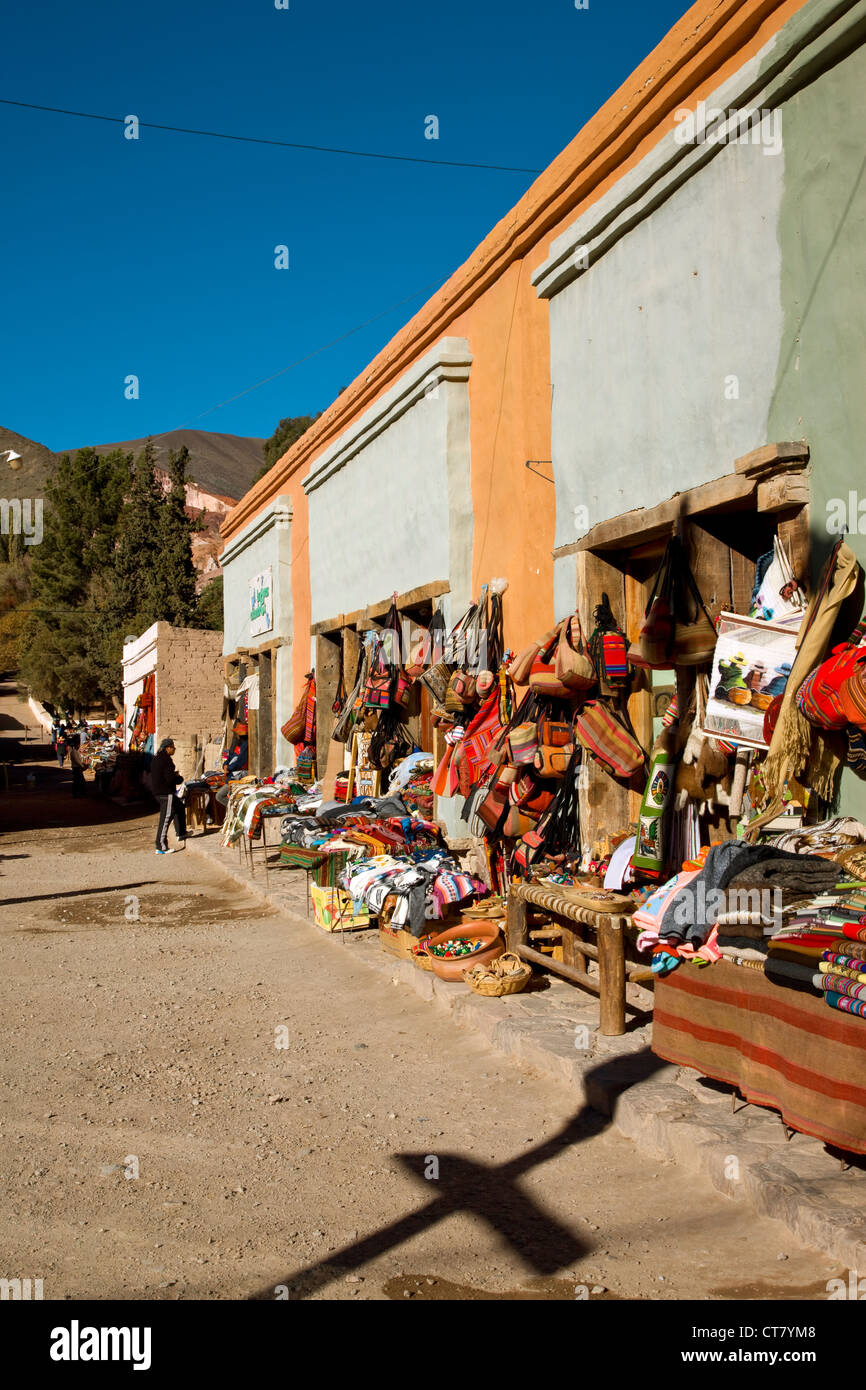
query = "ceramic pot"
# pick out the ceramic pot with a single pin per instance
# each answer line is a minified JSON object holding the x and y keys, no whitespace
{"x":486,"y":932}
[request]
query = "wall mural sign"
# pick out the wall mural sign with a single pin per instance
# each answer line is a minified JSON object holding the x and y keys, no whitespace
{"x":261,"y":603}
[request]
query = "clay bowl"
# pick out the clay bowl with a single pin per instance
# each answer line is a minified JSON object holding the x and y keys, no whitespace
{"x":480,"y":931}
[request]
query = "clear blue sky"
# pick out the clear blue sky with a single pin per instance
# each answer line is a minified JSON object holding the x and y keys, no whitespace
{"x":156,"y":257}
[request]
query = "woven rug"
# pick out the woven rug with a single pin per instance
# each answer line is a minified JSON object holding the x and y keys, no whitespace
{"x":780,"y":1048}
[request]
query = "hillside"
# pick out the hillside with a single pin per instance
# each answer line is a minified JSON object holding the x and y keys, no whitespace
{"x":223,"y":464}
{"x":36,"y":461}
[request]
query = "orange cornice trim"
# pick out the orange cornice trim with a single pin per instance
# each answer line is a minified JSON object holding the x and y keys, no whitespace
{"x":709,"y":35}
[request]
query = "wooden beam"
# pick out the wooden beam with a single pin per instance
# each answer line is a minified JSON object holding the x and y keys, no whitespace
{"x":773,"y":457}
{"x":410,"y":599}
{"x":734,"y":492}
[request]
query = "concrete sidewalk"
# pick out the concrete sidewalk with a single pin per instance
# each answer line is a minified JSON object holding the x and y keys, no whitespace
{"x":669,"y":1112}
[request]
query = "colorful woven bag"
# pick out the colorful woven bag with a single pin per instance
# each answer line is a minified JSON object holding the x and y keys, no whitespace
{"x":819,"y":697}
{"x":607,"y":740}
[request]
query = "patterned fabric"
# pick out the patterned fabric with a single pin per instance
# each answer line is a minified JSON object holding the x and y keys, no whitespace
{"x":779,"y":1047}
{"x":846,"y":1004}
{"x":857,"y":975}
{"x":844,"y":961}
{"x":838,"y":984}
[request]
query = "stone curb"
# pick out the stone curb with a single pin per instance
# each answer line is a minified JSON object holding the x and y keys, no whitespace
{"x":660,"y":1107}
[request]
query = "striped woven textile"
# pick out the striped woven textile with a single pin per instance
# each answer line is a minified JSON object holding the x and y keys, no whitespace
{"x":855,"y":950}
{"x":838,"y":984}
{"x":781,"y":1048}
{"x":844,"y":961}
{"x":846,"y":1004}
{"x":858,"y":975}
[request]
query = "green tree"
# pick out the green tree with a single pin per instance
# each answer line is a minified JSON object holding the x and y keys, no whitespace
{"x":71,"y":617}
{"x":284,"y":436}
{"x":136,"y":545}
{"x":174,"y":576}
{"x":209,"y":609}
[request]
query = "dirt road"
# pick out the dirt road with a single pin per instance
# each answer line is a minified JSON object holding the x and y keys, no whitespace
{"x":202,"y":1098}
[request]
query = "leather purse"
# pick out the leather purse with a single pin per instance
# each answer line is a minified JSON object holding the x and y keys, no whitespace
{"x":572,"y":666}
{"x":552,"y":762}
{"x":554,"y":732}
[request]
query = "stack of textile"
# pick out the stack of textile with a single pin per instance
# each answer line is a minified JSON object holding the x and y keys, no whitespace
{"x":842,"y":968}
{"x":730,"y":898}
{"x":423,"y":882}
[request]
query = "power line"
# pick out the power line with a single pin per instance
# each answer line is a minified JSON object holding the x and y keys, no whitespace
{"x":308,"y":356}
{"x":261,"y":140}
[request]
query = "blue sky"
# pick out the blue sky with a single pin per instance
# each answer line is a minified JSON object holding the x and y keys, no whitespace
{"x":156,"y":257}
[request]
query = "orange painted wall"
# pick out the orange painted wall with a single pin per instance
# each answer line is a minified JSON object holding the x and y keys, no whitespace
{"x":491,"y":302}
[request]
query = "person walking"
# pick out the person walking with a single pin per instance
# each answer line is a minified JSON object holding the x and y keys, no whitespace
{"x":164,"y":781}
{"x":60,"y":745}
{"x":78,"y":765}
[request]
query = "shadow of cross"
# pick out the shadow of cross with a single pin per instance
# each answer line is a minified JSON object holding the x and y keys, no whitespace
{"x":488,"y":1192}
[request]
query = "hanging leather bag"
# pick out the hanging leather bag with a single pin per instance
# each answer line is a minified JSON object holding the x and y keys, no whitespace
{"x":572,"y":666}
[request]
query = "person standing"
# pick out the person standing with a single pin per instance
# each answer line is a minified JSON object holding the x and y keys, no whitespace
{"x":60,"y":746}
{"x":164,"y":781}
{"x":78,"y":765}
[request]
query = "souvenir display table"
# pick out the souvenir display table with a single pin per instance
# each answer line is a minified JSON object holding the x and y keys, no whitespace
{"x":608,"y":948}
{"x":779,"y":1047}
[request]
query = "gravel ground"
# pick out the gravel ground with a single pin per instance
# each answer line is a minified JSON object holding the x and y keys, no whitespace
{"x":203,"y":1098}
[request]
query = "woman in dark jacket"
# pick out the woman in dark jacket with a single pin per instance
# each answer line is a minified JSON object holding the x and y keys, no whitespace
{"x":164,"y":780}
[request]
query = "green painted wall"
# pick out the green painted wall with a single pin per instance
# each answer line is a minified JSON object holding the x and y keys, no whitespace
{"x":820,"y":392}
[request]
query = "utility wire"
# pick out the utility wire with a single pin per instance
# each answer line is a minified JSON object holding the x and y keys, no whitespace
{"x":307,"y":356}
{"x":261,"y":140}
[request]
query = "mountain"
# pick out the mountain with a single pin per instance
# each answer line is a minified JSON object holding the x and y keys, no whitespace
{"x":222,"y":464}
{"x":33,"y":469}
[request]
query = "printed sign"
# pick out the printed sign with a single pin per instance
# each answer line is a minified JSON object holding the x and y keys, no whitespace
{"x":261,"y":603}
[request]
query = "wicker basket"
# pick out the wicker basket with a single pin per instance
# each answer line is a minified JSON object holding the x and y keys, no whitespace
{"x":420,"y":957}
{"x":495,"y":985}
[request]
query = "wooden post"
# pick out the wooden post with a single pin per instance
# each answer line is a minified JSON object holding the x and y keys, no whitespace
{"x":611,"y":969}
{"x":516,"y":922}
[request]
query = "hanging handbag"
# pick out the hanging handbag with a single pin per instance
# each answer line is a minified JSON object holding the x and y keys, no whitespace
{"x":653,"y":645}
{"x":377,"y":690}
{"x":820,"y":696}
{"x":552,"y":762}
{"x":521,"y":667}
{"x":606,"y":738}
{"x":694,"y":639}
{"x":491,"y":810}
{"x":522,"y":742}
{"x":609,"y":650}
{"x":572,"y":666}
{"x":293,"y":729}
{"x":530,"y":794}
{"x":555,"y":732}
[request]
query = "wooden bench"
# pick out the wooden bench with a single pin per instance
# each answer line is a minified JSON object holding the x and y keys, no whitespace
{"x":608,"y":949}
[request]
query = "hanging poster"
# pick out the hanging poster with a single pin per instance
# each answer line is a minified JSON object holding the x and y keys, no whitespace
{"x":261,"y":602}
{"x":751,"y":666}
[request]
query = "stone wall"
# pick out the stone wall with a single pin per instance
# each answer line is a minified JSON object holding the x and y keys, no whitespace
{"x":189,"y":691}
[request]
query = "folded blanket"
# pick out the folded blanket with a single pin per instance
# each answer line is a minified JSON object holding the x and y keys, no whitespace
{"x":827,"y":969}
{"x":846,"y":1004}
{"x":844,"y":961}
{"x":792,"y":976}
{"x":837,"y":984}
{"x":846,"y":947}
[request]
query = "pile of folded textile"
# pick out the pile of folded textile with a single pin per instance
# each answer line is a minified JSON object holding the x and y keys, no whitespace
{"x":842,"y":968}
{"x":424,"y":884}
{"x":729,"y":900}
